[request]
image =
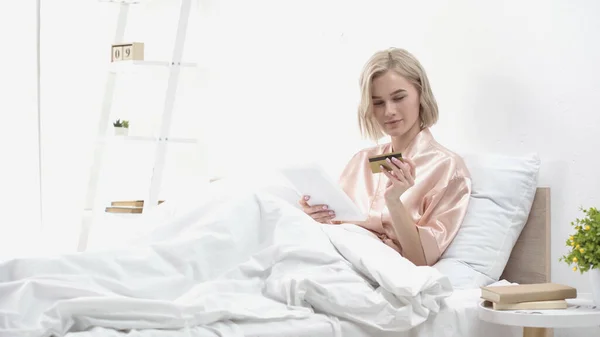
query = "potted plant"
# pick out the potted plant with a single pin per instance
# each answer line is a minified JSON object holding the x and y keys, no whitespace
{"x":121,"y":127}
{"x":584,"y":246}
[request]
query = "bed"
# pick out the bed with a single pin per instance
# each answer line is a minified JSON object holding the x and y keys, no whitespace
{"x":529,"y":262}
{"x":316,"y":281}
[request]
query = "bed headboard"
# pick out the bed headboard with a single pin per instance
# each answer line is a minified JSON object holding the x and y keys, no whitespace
{"x":529,"y":261}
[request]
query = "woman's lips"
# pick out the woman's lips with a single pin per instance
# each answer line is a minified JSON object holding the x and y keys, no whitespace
{"x":394,"y":122}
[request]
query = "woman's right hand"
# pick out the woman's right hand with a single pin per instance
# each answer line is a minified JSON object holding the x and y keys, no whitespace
{"x":320,"y":213}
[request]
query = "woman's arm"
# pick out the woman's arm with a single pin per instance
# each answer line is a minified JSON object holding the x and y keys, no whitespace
{"x":424,"y":241}
{"x":401,"y":178}
{"x":406,"y":232}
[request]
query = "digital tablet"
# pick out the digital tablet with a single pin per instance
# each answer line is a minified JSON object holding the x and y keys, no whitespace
{"x":312,"y":180}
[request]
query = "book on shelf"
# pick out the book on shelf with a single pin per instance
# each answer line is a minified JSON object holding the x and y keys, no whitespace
{"x":124,"y":209}
{"x":127,"y":206}
{"x":130,"y":203}
{"x":534,"y":305}
{"x":527,"y":293}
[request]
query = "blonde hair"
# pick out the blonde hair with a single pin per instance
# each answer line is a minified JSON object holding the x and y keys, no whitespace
{"x":406,"y":65}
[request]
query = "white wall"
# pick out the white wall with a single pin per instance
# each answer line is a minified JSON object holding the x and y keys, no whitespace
{"x":73,"y":63}
{"x":510,"y":76}
{"x":19,"y":181}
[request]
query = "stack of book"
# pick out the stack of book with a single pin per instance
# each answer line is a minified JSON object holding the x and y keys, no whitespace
{"x":540,"y":296}
{"x":127,"y":206}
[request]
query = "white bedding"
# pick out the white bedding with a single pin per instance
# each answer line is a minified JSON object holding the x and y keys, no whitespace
{"x":457,"y":318}
{"x":242,"y":257}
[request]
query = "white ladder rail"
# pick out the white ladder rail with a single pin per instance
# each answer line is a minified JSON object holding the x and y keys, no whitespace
{"x":163,"y":137}
{"x":92,"y":202}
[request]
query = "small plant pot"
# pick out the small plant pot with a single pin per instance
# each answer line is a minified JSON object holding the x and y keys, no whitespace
{"x":121,"y":131}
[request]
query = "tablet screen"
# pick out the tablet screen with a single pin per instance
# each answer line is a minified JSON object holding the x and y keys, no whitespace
{"x":312,"y":180}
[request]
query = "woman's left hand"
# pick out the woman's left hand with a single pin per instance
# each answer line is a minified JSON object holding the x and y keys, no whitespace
{"x":401,"y":178}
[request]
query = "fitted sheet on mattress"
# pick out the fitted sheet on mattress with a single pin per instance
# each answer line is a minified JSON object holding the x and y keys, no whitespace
{"x":458,"y":318}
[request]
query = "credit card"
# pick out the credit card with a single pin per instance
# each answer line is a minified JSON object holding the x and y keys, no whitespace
{"x":375,"y":161}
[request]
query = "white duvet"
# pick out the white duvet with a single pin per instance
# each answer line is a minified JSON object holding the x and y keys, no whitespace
{"x":232,"y":257}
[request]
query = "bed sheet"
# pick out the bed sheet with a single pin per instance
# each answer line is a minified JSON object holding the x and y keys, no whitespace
{"x":314,"y":326}
{"x":458,"y":318}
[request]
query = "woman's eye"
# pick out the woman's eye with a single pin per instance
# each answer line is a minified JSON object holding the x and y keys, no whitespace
{"x":377,"y":103}
{"x":397,"y":99}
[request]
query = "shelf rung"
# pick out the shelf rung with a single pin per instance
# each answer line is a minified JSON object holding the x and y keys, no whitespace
{"x":181,"y":140}
{"x":134,"y":65}
{"x":127,"y":139}
{"x":128,"y":2}
{"x":118,"y":139}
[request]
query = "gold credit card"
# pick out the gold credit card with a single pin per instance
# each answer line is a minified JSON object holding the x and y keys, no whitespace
{"x":375,"y":161}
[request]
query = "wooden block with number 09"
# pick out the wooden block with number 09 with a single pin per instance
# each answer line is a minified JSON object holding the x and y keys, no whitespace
{"x":127,"y":51}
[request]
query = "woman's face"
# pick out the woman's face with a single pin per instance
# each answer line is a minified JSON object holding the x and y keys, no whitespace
{"x":395,"y":104}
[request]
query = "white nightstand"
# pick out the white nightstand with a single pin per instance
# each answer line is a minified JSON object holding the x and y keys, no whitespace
{"x":581,"y":312}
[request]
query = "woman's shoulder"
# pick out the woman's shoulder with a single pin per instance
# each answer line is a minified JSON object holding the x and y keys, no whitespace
{"x":453,"y":160}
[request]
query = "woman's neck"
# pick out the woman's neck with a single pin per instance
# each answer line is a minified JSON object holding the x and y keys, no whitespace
{"x":400,"y":143}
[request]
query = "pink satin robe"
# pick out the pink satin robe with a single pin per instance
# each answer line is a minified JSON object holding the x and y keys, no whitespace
{"x":437,"y":202}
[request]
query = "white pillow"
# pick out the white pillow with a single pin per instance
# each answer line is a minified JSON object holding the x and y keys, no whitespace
{"x":461,"y":275}
{"x":502,"y":195}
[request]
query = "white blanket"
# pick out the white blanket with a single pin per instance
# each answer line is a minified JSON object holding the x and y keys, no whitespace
{"x":230,"y":257}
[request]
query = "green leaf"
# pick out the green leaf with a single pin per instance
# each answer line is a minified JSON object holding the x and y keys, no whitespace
{"x":588,"y":239}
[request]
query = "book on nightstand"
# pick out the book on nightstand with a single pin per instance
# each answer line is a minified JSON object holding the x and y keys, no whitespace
{"x":534,"y":305}
{"x":540,"y":296}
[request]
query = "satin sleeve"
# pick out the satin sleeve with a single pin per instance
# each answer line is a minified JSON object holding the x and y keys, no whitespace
{"x":443,"y":214}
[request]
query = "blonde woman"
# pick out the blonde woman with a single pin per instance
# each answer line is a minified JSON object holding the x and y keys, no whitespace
{"x":418,"y":207}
